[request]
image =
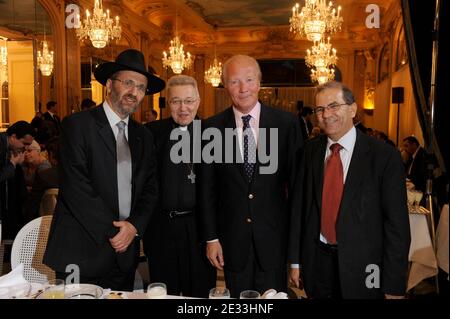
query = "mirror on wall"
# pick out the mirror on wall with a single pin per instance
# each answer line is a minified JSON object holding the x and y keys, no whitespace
{"x":26,"y":66}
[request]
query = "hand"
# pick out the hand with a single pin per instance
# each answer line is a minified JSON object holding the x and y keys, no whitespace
{"x":17,"y":158}
{"x":215,"y":254}
{"x":294,"y":278}
{"x":124,"y":237}
{"x":393,"y":297}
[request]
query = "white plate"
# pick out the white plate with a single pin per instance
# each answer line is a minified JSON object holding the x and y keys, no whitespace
{"x":83,"y":291}
{"x":80,"y":291}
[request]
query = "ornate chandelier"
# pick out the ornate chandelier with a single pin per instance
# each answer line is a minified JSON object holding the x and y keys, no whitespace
{"x":99,"y":28}
{"x":45,"y":60}
{"x":177,"y":59}
{"x":315,"y":19}
{"x":320,"y":59}
{"x":214,"y":73}
{"x":322,"y":75}
{"x":321,"y":55}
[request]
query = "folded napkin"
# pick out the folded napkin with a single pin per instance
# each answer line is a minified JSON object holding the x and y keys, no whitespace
{"x":273,"y":294}
{"x":13,"y":278}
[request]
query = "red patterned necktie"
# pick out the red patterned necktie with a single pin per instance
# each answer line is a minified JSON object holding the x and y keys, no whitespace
{"x":333,"y":186}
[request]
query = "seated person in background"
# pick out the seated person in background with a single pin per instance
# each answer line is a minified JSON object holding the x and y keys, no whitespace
{"x":12,"y":184}
{"x":45,"y":179}
{"x":35,"y":161}
{"x":87,"y":104}
{"x":150,"y":116}
{"x":416,"y":164}
{"x":383,"y":137}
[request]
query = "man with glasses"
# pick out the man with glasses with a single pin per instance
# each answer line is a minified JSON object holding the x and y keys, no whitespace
{"x":175,"y":253}
{"x":352,"y":240}
{"x":108,"y":187}
{"x":12,"y":182}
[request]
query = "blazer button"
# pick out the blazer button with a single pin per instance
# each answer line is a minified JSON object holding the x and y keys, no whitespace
{"x":248,"y":220}
{"x":250,"y":196}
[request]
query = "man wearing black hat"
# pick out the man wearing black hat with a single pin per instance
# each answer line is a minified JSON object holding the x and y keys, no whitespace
{"x":108,"y":187}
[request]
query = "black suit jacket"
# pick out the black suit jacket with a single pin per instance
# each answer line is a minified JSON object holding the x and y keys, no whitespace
{"x":88,"y":199}
{"x":305,"y":127}
{"x":372,"y":225}
{"x":237,"y":212}
{"x":418,"y":171}
{"x":54,"y":119}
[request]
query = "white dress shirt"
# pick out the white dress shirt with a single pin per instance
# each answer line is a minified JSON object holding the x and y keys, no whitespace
{"x":113,"y":119}
{"x":254,"y":123}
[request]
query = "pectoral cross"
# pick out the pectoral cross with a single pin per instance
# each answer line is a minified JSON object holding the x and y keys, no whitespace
{"x":191,"y":176}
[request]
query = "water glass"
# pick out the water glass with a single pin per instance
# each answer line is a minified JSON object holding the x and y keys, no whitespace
{"x":157,"y":290}
{"x":249,"y":294}
{"x":54,"y":289}
{"x":219,"y":293}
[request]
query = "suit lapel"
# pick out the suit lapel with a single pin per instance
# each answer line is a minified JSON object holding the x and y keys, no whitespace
{"x":134,"y":141}
{"x":318,"y":167}
{"x":264,"y":123}
{"x":356,"y":170}
{"x":105,"y":130}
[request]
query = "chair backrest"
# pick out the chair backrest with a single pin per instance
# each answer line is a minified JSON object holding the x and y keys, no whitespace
{"x":48,"y":202}
{"x":29,"y":247}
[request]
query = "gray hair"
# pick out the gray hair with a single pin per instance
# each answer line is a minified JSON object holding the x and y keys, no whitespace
{"x":240,"y":57}
{"x":346,"y":92}
{"x":178,"y":80}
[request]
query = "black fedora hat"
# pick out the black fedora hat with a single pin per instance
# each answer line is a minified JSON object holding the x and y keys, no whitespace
{"x":129,"y":60}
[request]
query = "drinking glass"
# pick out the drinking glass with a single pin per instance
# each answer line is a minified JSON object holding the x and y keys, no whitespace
{"x":417,"y":198}
{"x":219,"y":293}
{"x":54,"y":289}
{"x":157,"y":290}
{"x":249,"y":294}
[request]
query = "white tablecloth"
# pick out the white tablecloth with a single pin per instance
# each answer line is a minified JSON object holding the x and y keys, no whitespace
{"x":423,"y":263}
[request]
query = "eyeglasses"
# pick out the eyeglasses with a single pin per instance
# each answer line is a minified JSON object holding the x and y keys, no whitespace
{"x":188,"y":101}
{"x":130,"y":84}
{"x":333,"y":107}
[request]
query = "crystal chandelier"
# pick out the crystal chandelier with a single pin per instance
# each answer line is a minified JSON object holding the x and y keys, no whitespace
{"x":315,"y":19}
{"x":321,"y":54}
{"x":177,"y":59}
{"x":45,"y":60}
{"x":99,"y":28}
{"x":214,"y":73}
{"x":322,"y":75}
{"x":320,"y":58}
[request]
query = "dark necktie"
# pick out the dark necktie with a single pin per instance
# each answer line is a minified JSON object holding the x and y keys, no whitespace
{"x":333,"y":187}
{"x":123,"y":172}
{"x":249,"y":147}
